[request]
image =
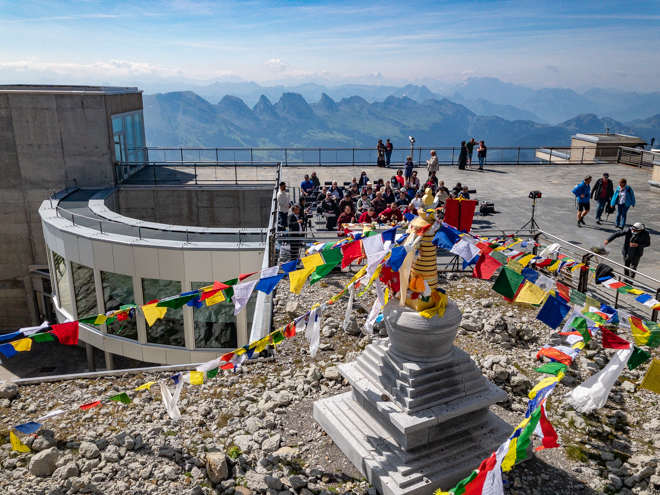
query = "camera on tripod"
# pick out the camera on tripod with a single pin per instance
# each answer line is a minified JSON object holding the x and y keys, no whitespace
{"x":535,"y":194}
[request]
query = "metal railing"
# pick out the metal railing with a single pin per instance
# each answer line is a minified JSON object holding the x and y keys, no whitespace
{"x":368,"y":156}
{"x":638,"y":157}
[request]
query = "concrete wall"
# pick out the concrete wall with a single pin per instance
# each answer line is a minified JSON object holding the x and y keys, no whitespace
{"x":220,"y":208}
{"x":46,"y":140}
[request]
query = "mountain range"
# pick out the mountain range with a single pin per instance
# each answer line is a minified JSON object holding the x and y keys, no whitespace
{"x":186,"y":119}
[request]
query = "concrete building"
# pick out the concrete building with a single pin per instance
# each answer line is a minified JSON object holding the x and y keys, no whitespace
{"x":53,"y":137}
{"x":591,"y":148}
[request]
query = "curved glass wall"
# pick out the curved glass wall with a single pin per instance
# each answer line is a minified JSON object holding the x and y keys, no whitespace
{"x":215,"y":326}
{"x":63,"y":287}
{"x":84,"y":290}
{"x":167,"y":330}
{"x":118,"y":291}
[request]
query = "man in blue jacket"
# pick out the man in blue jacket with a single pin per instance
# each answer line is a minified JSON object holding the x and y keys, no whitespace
{"x":623,"y":199}
{"x":582,"y":192}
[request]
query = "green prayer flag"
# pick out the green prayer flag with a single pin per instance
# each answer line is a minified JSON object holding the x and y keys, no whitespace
{"x":507,"y":282}
{"x":231,"y":282}
{"x":595,"y":317}
{"x":624,"y":289}
{"x":524,"y":439}
{"x":278,"y":337}
{"x":90,"y":320}
{"x":580,"y":324}
{"x":577,"y":297}
{"x":552,"y":368}
{"x":123,"y":398}
{"x":639,"y":356}
{"x":127,"y":306}
{"x":332,"y":256}
{"x":212,"y":373}
{"x":112,"y":319}
{"x":322,"y":271}
{"x":42,"y":337}
{"x":229,"y":292}
{"x":498,"y":256}
{"x":460,"y":488}
{"x":176,"y":302}
{"x":654,"y":329}
{"x":369,"y":233}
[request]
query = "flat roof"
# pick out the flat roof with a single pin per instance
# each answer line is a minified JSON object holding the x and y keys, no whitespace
{"x":66,"y":89}
{"x":609,"y":138}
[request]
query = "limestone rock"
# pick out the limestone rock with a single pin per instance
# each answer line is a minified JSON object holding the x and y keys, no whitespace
{"x":44,"y":463}
{"x":43,"y":443}
{"x":216,"y":466}
{"x":68,"y":471}
{"x":271,"y":444}
{"x":89,"y":450}
{"x":332,"y":374}
{"x":8,"y":390}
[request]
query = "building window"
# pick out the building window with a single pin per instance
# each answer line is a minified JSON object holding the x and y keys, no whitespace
{"x":215,"y":326}
{"x":128,"y":131}
{"x":62,"y":279}
{"x":117,"y":292}
{"x":84,"y":290}
{"x":249,"y":307}
{"x":167,"y":330}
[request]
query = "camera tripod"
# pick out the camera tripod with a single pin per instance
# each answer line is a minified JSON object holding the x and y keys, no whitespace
{"x":531,"y":223}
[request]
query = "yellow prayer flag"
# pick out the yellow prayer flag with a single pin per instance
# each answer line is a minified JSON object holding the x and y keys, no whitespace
{"x":217,"y":298}
{"x":146,"y":386}
{"x":542,"y":384}
{"x":530,"y":294}
{"x":590,"y":302}
{"x":652,"y":378}
{"x":510,"y":457}
{"x":312,"y":261}
{"x":524,"y":261}
{"x":261,"y":345}
{"x":153,"y":313}
{"x":637,"y":292}
{"x":16,"y":443}
{"x":578,"y":345}
{"x":554,"y":266}
{"x":196,"y":377}
{"x":573,"y":268}
{"x":515,"y":266}
{"x":22,"y":345}
{"x":297,"y":279}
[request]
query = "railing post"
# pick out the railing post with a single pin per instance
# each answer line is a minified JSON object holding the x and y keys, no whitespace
{"x":101,"y":226}
{"x":618,"y":155}
{"x":181,"y":155}
{"x":582,"y":158}
{"x":140,"y":232}
{"x":535,"y":249}
{"x":319,"y":157}
{"x":187,"y":237}
{"x":584,"y":274}
{"x":251,"y":157}
{"x":195,"y":169}
{"x":286,"y":157}
{"x":154,"y":167}
{"x":452,"y":155}
{"x":518,"y":159}
{"x":354,"y":157}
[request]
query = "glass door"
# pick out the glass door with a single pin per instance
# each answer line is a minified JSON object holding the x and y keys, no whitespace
{"x":121,"y":155}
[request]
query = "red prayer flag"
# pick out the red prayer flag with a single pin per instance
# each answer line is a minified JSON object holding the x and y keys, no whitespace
{"x":484,"y":248}
{"x":563,"y":291}
{"x":243,"y":276}
{"x":390,"y":278}
{"x":219,"y":286}
{"x":351,"y":252}
{"x":67,"y":333}
{"x":613,"y":341}
{"x":210,"y":293}
{"x":485,"y":267}
{"x":227,"y":366}
{"x":227,"y":357}
{"x":545,"y":262}
{"x":553,"y":353}
{"x":89,"y":405}
{"x":550,"y":437}
{"x":123,"y":316}
{"x":290,"y":330}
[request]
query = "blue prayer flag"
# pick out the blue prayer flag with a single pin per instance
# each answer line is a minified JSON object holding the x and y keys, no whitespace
{"x":396,"y":259}
{"x":267,"y":284}
{"x":28,"y":428}
{"x":176,"y":378}
{"x":400,"y":240}
{"x":471,"y":262}
{"x":553,"y":312}
{"x":409,"y":216}
{"x":389,"y":234}
{"x":8,"y":350}
{"x":195,"y":302}
{"x":9,"y":336}
{"x":289,"y":266}
{"x":642,"y":298}
{"x":445,"y":238}
{"x":529,"y":274}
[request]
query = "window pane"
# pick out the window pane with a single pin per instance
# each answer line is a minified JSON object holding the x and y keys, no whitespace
{"x":215,"y":326}
{"x":138,"y":128}
{"x":167,"y":330}
{"x":118,"y":291}
{"x":130,"y":136}
{"x":62,"y":279}
{"x":84,"y":290}
{"x":250,"y":310}
{"x":117,"y":124}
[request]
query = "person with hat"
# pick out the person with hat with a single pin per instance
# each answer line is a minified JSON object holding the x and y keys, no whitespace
{"x":636,"y":238}
{"x":582,"y":192}
{"x":602,"y":192}
{"x":623,"y":199}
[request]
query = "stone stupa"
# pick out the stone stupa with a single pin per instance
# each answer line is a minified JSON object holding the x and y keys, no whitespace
{"x":417,"y":418}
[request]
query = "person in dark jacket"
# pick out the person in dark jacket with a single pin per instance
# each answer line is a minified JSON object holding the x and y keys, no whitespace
{"x":481,"y":154}
{"x":463,"y":156}
{"x":582,"y":192}
{"x":295,"y":222}
{"x":636,"y":238}
{"x":602,"y":192}
{"x":407,"y":173}
{"x":363,"y":180}
{"x":380,"y":148}
{"x":330,"y":211}
{"x":388,"y":151}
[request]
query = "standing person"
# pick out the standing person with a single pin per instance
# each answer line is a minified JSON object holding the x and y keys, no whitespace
{"x":362,"y":182}
{"x":295,"y":227}
{"x":388,"y":152}
{"x":623,"y":199}
{"x":432,"y":165}
{"x":330,"y":211}
{"x":381,"y":153}
{"x":635,"y":240}
{"x":582,"y":192}
{"x":409,"y":168}
{"x":602,"y":192}
{"x":283,"y":205}
{"x":470,"y":147}
{"x":462,"y":156}
{"x":481,"y":154}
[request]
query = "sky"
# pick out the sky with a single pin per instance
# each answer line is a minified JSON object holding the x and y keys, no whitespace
{"x":573,"y":44}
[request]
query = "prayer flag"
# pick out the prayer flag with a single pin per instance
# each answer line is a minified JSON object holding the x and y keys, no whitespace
{"x":581,"y":325}
{"x":215,"y":299}
{"x":446,"y":238}
{"x":67,"y":333}
{"x":243,"y":276}
{"x":211,"y":373}
{"x":507,"y":283}
{"x":16,"y":443}
{"x":639,"y":356}
{"x":334,"y":255}
{"x":321,"y":272}
{"x":531,"y":275}
{"x":577,"y":297}
{"x":270,"y":272}
{"x":555,"y":354}
{"x":153,"y":313}
{"x":268,"y":284}
{"x":90,"y":405}
{"x":652,"y":378}
{"x":553,"y":312}
{"x":351,"y":251}
{"x":145,"y":386}
{"x":196,"y":377}
{"x":397,"y":258}
{"x":389,"y":235}
{"x":242,"y":293}
{"x":28,"y":428}
{"x":373,"y":245}
{"x":123,"y":398}
{"x":641,"y":332}
{"x":465,"y":250}
{"x":7,"y":350}
{"x":612,"y":340}
{"x":524,"y":261}
{"x":563,"y":291}
{"x":474,"y":484}
{"x":297,"y":279}
{"x":499,"y":257}
{"x":289,"y":266}
{"x":93,"y":320}
{"x":22,"y":345}
{"x":530,"y":294}
{"x":552,"y":368}
{"x":546,"y":432}
{"x":176,"y":302}
{"x":312,"y":261}
{"x":485,"y":267}
{"x":55,"y":412}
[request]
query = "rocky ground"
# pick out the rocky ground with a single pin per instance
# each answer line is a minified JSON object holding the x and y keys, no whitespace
{"x":252,"y":431}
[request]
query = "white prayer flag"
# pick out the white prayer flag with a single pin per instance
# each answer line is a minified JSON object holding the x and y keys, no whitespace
{"x":51,"y":414}
{"x":269,"y":272}
{"x":170,"y":401}
{"x":242,"y":293}
{"x":313,"y":331}
{"x":465,"y":250}
{"x":373,"y":244}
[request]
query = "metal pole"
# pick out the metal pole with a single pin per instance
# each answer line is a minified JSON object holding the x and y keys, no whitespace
{"x":101,"y":226}
{"x":90,"y":357}
{"x":195,"y":173}
{"x":584,"y":274}
{"x":354,"y":157}
{"x":319,"y":157}
{"x":154,"y":167}
{"x":518,"y":159}
{"x":251,"y":157}
{"x":452,"y":155}
{"x":582,"y":159}
{"x":140,"y":232}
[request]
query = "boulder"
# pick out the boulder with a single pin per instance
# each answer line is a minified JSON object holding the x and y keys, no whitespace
{"x":271,"y":444}
{"x":65,"y":472}
{"x":125,"y":440}
{"x":297,"y":482}
{"x":332,"y":374}
{"x":256,"y":482}
{"x":217,"y":468}
{"x":43,"y":443}
{"x":8,"y":390}
{"x":44,"y":463}
{"x":89,"y":450}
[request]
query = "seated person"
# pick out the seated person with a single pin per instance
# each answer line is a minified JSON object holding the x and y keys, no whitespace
{"x":442,"y":194}
{"x":364,"y":203}
{"x":418,"y":202}
{"x":414,"y":181}
{"x":330,"y":211}
{"x":432,"y":182}
{"x":321,"y":196}
{"x":370,"y":193}
{"x":379,"y":203}
{"x":307,"y":187}
{"x":369,"y":216}
{"x":410,"y":209}
{"x":336,"y":192}
{"x":388,"y":195}
{"x":315,"y":180}
{"x":354,"y":183}
{"x":464,"y":193}
{"x":346,"y":217}
{"x":403,"y":198}
{"x":391,"y":213}
{"x":410,"y":191}
{"x":380,"y":185}
{"x":347,"y":201}
{"x":399,"y":177}
{"x":363,"y":179}
{"x":457,"y":188}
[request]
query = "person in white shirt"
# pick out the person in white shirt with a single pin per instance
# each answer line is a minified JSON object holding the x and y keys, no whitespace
{"x":283,"y":205}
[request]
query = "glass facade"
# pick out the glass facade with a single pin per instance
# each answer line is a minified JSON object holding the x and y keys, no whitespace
{"x":63,"y":287}
{"x":84,"y":290}
{"x":167,"y":330}
{"x":118,"y":291}
{"x":128,"y":130}
{"x":215,"y":326}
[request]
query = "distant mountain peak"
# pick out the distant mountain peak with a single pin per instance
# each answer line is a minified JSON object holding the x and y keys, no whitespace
{"x":325,"y":105}
{"x":293,"y":106}
{"x":265,"y":109}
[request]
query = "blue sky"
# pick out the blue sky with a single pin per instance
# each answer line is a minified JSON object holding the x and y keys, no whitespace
{"x":569,"y":44}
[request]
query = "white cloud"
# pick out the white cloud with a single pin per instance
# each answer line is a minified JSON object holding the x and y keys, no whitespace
{"x":467,"y":72}
{"x":276,"y":65}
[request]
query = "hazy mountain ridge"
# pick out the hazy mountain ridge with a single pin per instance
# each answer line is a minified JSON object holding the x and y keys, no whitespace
{"x":186,"y":119}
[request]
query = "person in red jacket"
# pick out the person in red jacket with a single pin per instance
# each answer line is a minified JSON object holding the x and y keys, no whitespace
{"x":369,"y":216}
{"x":391,"y":213}
{"x":346,"y":217}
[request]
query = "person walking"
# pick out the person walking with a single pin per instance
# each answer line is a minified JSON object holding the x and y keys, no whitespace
{"x":470,"y":147}
{"x":408,"y":170}
{"x":636,"y":238}
{"x":283,"y":205}
{"x":582,"y":192}
{"x":481,"y":154}
{"x":432,"y":165}
{"x":623,"y":199}
{"x":381,"y":153}
{"x":462,"y":156}
{"x":388,"y":152}
{"x":602,"y":192}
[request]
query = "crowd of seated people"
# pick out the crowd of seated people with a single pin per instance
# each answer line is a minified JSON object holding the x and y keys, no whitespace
{"x":364,"y":201}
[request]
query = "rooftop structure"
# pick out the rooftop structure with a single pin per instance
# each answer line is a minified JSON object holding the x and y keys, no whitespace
{"x":591,"y":148}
